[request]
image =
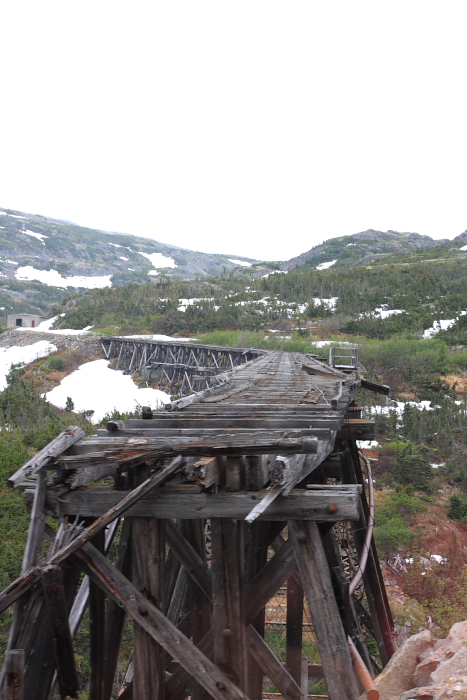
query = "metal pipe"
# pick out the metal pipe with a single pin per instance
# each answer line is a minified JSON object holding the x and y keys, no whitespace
{"x":362,"y":672}
{"x":369,"y":533}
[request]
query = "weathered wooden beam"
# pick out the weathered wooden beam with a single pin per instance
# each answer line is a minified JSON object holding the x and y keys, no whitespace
{"x":357,"y":429}
{"x":54,"y":594}
{"x":257,"y":540}
{"x":14,"y":678}
{"x":184,"y":422}
{"x":271,"y":665}
{"x":293,"y":629}
{"x":97,"y":636}
{"x":268,"y":580}
{"x":316,"y":581}
{"x":148,"y":539}
{"x":36,"y":524}
{"x":189,"y":558}
{"x":228,"y":626}
{"x":375,"y":387}
{"x":122,"y":449}
{"x":156,"y":624}
{"x":46,"y":455}
{"x":115,"y":615}
{"x":306,"y":504}
{"x":22,"y":584}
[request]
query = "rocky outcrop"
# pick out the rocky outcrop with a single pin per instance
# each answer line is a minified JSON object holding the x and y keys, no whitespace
{"x":425,"y":668}
{"x":87,"y":344}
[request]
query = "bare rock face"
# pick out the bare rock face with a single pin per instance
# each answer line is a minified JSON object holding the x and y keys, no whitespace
{"x":398,"y":675}
{"x":427,"y":669}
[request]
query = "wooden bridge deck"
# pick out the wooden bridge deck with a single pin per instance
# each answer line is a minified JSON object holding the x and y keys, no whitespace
{"x":203,"y":491}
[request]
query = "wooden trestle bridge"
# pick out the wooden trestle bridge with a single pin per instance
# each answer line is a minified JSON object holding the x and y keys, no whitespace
{"x":206,"y":510}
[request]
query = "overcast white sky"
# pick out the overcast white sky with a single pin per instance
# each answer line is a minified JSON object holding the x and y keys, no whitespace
{"x":253,"y":127}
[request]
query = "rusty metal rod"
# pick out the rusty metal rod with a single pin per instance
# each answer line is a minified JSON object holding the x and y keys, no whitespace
{"x":363,"y":673}
{"x":369,"y":533}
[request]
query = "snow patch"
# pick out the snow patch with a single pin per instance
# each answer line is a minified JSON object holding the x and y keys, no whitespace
{"x":159,"y":260}
{"x":54,"y":278}
{"x":165,"y":338}
{"x":22,"y":355}
{"x":326,"y":265}
{"x":367,"y":444}
{"x":12,"y":262}
{"x":383,"y":312}
{"x":123,"y":258}
{"x":464,"y":247}
{"x":44,"y":327}
{"x":94,"y":386}
{"x":39,"y":236}
{"x":442,"y":325}
{"x":240,"y":262}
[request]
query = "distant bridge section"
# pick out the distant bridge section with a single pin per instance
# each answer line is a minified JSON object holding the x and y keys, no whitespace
{"x":177,"y":368}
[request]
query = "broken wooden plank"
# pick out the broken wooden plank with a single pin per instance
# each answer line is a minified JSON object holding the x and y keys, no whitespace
{"x":375,"y":387}
{"x":71,"y":435}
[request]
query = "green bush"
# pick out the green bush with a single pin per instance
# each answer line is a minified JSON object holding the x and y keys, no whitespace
{"x":457,"y":507}
{"x":57,"y":362}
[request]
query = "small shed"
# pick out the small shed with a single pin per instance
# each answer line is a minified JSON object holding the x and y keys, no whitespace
{"x":24,"y":320}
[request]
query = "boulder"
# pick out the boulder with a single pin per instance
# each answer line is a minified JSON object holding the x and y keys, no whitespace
{"x":454,"y":666}
{"x":398,"y":675}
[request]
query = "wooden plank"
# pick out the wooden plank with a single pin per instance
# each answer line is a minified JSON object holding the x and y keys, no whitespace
{"x":316,"y":581}
{"x":148,"y":576}
{"x":228,"y":443}
{"x":22,"y":584}
{"x":245,"y":423}
{"x":357,"y":429}
{"x":171,"y":503}
{"x":36,"y":524}
{"x":14,"y":679}
{"x":375,"y":387}
{"x":189,"y":558}
{"x":271,"y":665}
{"x":97,"y":635}
{"x":41,"y":659}
{"x":71,"y":435}
{"x":54,"y":594}
{"x":258,"y":537}
{"x":293,"y":629}
{"x":115,"y":615}
{"x":257,"y":472}
{"x":268,"y":580}
{"x":234,"y":471}
{"x":227,"y":595}
{"x":156,"y":624}
{"x":178,"y":597}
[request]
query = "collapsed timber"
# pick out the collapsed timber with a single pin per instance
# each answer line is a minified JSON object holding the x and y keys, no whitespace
{"x":215,"y":503}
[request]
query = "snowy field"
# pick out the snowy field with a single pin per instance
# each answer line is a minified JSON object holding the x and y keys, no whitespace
{"x":94,"y":386}
{"x":22,"y":355}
